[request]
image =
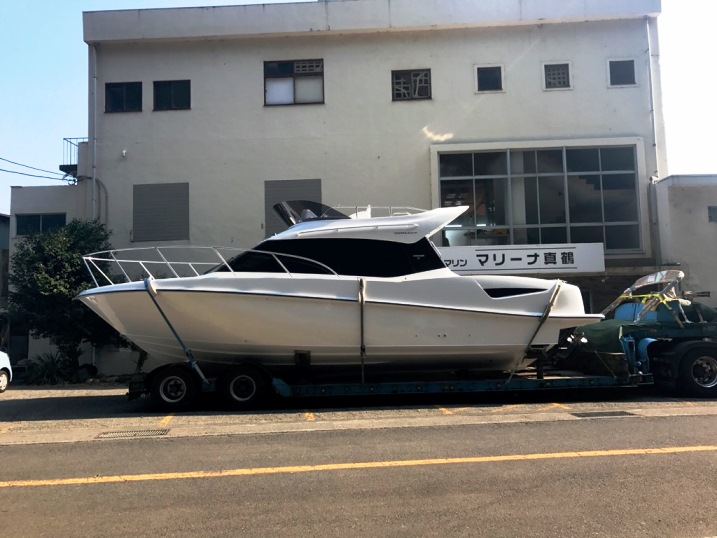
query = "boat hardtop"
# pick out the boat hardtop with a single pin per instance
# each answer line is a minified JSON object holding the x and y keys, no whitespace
{"x":407,"y":228}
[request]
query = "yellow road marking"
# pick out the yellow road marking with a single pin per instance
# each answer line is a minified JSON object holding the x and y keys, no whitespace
{"x":554,"y":405}
{"x":504,"y":407}
{"x":452,"y":411}
{"x":166,"y":420}
{"x":309,"y":416}
{"x":253,"y":471}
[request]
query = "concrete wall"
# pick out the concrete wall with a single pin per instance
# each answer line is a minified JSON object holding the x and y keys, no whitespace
{"x":341,"y":16}
{"x":686,"y":235}
{"x":365,"y":148}
{"x":68,"y":199}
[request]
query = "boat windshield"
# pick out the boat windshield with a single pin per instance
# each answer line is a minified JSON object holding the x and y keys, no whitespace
{"x":354,"y":257}
{"x":296,"y":211}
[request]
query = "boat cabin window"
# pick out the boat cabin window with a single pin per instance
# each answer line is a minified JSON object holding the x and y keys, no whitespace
{"x":355,"y":257}
{"x":263,"y":262}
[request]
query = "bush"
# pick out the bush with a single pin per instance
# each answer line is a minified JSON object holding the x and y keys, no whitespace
{"x":49,"y":369}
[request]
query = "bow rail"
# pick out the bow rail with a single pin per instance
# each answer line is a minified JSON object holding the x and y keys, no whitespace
{"x":135,"y":264}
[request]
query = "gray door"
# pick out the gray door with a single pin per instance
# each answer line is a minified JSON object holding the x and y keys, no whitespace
{"x":282,"y":191}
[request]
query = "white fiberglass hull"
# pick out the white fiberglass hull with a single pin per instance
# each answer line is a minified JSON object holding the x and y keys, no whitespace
{"x":437,"y":319}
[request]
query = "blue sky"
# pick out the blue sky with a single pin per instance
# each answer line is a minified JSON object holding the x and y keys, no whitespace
{"x":43,"y":82}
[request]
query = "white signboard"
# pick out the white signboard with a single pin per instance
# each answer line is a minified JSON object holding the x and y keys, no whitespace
{"x":525,"y":259}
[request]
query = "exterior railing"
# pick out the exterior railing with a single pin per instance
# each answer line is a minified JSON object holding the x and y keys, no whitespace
{"x":135,"y":264}
{"x":370,"y":211}
{"x":70,"y":155}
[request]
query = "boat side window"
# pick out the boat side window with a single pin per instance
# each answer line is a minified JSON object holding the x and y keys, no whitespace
{"x":253,"y":262}
{"x":357,"y":257}
{"x":299,"y":265}
{"x":266,"y":262}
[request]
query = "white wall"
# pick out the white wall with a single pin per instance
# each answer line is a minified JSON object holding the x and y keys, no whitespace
{"x":69,"y":199}
{"x":334,"y":16}
{"x":365,"y":148}
{"x":686,"y":235}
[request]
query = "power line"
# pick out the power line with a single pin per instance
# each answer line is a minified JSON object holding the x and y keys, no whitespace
{"x":30,"y":167}
{"x":32,"y":175}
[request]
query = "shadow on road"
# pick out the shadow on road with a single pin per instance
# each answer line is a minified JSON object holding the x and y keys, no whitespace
{"x":93,"y":402}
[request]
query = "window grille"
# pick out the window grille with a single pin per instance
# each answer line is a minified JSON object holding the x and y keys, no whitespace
{"x":309,"y":66}
{"x":411,"y":85}
{"x":557,"y":76}
{"x":294,"y":82}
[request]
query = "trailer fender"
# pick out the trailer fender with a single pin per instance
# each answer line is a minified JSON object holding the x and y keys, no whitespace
{"x":678,"y":350}
{"x":643,"y":356}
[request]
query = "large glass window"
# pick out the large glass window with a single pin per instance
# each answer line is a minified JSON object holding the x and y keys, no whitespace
{"x":541,"y":196}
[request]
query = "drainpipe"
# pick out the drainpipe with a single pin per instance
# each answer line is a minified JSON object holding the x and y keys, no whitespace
{"x":93,"y":117}
{"x":94,"y":131}
{"x":651,"y":193}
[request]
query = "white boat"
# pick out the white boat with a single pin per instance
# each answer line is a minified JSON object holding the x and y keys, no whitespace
{"x":330,"y":290}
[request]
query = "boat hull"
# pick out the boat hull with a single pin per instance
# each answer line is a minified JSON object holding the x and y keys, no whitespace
{"x":273,"y":320}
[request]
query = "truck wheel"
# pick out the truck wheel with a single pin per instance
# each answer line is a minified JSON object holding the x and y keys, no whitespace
{"x":173,"y":388}
{"x":242,"y":387}
{"x":698,"y":373}
{"x":4,"y":380}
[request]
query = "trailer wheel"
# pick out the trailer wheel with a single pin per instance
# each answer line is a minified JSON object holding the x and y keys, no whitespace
{"x":698,"y":373}
{"x":173,"y":388}
{"x":243,"y":387}
{"x":4,"y":380}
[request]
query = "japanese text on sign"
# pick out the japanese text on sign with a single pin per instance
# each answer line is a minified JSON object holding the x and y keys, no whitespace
{"x":580,"y":257}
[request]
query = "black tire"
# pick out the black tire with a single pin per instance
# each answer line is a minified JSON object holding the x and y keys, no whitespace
{"x":174,"y":388}
{"x":698,"y":373}
{"x":4,"y":381}
{"x":243,"y":387}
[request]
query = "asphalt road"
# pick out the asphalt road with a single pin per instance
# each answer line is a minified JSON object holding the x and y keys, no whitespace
{"x":615,"y":465}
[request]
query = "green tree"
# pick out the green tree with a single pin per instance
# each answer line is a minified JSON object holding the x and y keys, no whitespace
{"x":47,"y":274}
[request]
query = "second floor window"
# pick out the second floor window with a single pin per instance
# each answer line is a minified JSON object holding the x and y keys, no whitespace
{"x":123,"y":97}
{"x":622,"y":72}
{"x":489,"y":78}
{"x":411,"y":85}
{"x":294,"y":82}
{"x":556,"y":76}
{"x":172,"y":95}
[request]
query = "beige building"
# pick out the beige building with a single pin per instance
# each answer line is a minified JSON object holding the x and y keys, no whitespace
{"x":687,"y":215}
{"x":544,"y":116}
